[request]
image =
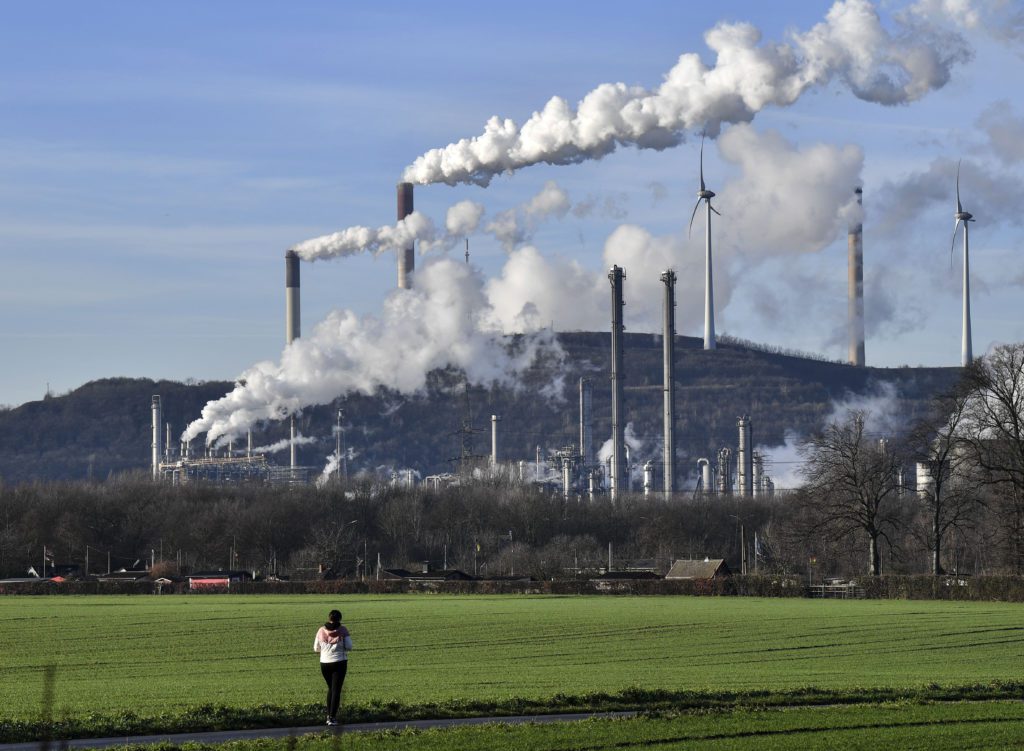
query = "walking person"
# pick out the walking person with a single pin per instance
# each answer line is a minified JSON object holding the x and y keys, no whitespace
{"x":333,"y":643}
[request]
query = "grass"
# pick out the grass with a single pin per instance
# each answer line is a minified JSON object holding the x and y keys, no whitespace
{"x":125,"y":660}
{"x":935,"y":727}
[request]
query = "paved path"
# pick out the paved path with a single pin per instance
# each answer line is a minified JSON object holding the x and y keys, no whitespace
{"x":222,"y":736}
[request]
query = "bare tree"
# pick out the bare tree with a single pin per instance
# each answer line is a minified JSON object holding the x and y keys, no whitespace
{"x":853,"y":482}
{"x":940,"y":443}
{"x":994,"y":430}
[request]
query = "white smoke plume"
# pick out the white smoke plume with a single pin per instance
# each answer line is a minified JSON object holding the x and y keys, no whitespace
{"x":354,"y":240}
{"x":329,"y":470}
{"x":513,"y":227}
{"x":1005,"y":131}
{"x":851,"y":46}
{"x":273,"y":448}
{"x":463,"y":218}
{"x":786,"y":200}
{"x":1003,"y":20}
{"x":444,"y":321}
{"x":510,"y":227}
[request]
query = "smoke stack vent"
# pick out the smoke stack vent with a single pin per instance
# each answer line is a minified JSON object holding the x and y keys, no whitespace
{"x":855,"y":303}
{"x":616,"y":276}
{"x":158,"y":420}
{"x":668,"y":277}
{"x":745,"y":458}
{"x":406,"y":256}
{"x":292,"y":324}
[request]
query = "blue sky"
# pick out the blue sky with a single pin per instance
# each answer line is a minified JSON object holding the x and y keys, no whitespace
{"x":156,"y":161}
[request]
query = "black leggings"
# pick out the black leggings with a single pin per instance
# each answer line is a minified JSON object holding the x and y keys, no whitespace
{"x":334,"y":675}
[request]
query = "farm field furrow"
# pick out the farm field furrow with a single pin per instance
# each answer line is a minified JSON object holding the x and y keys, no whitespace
{"x":156,"y":654}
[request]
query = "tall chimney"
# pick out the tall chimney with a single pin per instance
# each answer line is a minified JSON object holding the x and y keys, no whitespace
{"x":745,"y":458}
{"x":586,"y":422}
{"x":406,"y":256}
{"x":158,"y":421}
{"x":292,"y":322}
{"x":855,"y":302}
{"x":167,"y":442}
{"x":616,"y":276}
{"x":668,"y":349}
{"x":494,"y":442}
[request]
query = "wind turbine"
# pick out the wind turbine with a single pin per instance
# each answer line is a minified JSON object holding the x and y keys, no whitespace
{"x":963,"y":216}
{"x":709,"y":288}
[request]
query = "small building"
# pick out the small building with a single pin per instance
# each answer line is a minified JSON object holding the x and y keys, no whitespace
{"x":219,"y":579}
{"x":709,"y":568}
{"x":425,"y":576}
{"x":123,"y":575}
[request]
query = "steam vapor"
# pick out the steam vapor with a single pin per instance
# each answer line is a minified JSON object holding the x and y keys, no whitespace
{"x":445,"y":321}
{"x":851,"y":46}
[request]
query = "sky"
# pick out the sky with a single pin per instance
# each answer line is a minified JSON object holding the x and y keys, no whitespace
{"x":156,"y":161}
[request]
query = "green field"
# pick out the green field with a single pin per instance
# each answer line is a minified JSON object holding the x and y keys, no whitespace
{"x":156,"y":655}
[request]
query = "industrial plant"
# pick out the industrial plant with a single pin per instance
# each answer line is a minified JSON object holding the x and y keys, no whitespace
{"x":576,"y":469}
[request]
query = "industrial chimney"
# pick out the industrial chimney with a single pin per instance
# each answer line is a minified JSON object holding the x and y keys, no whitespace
{"x":586,"y":422}
{"x":745,"y":458}
{"x":616,"y":276}
{"x":668,"y":349}
{"x":855,"y":302}
{"x":406,"y":256}
{"x":158,"y":422}
{"x":494,"y":444}
{"x":292,"y":325}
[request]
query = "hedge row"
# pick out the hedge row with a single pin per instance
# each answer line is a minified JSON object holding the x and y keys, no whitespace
{"x":923,"y":587}
{"x":992,"y":588}
{"x":760,"y":586}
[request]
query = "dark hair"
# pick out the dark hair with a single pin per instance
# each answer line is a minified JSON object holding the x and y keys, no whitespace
{"x":334,"y":616}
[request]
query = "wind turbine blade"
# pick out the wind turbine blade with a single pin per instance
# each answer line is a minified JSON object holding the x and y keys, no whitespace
{"x":714,"y":209}
{"x":952,"y":245}
{"x":959,"y":208}
{"x":690,"y":231}
{"x":702,"y":163}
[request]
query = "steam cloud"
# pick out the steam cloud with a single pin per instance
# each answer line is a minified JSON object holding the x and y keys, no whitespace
{"x":786,"y":201}
{"x":851,"y":45}
{"x":273,"y":448}
{"x":444,"y":321}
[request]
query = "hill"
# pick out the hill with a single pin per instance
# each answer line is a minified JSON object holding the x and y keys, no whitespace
{"x":103,"y":427}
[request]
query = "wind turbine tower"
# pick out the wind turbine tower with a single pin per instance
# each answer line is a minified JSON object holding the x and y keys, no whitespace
{"x":966,"y":354}
{"x":709,"y":287}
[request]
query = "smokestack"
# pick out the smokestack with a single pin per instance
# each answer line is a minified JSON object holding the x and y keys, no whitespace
{"x":292,"y":323}
{"x":744,"y":458}
{"x":855,"y":302}
{"x":158,"y":421}
{"x":616,"y":276}
{"x":406,"y":256}
{"x":494,"y":442}
{"x":668,"y":349}
{"x":758,"y":474}
{"x":586,"y":422}
{"x":167,"y":442}
{"x":248,"y":444}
